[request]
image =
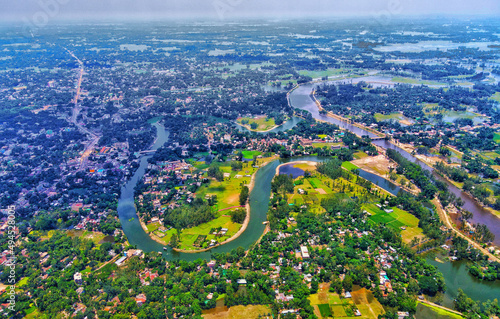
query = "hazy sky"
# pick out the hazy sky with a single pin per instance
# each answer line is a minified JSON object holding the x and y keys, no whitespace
{"x":19,"y":10}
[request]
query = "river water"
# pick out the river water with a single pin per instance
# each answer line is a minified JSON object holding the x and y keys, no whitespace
{"x":259,"y":201}
{"x":300,"y":98}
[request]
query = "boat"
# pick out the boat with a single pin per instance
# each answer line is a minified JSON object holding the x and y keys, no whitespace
{"x":165,"y":248}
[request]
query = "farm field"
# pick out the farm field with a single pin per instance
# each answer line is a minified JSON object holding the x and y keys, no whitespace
{"x":190,"y":235}
{"x":427,"y":311}
{"x":360,"y":155}
{"x":385,"y":117}
{"x":349,"y":166}
{"x":263,"y":123}
{"x":396,"y":220}
{"x":250,"y":154}
{"x":327,"y":304}
{"x":228,"y":190}
{"x":238,"y":312}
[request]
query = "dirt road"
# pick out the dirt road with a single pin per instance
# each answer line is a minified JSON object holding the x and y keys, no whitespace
{"x":447,"y":221}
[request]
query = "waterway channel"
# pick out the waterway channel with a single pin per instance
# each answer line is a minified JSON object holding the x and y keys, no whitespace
{"x":300,"y":98}
{"x":259,"y":200}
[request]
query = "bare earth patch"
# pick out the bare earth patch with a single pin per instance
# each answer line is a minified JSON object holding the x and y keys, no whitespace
{"x":320,"y":191}
{"x":374,"y":164}
{"x":239,"y":312}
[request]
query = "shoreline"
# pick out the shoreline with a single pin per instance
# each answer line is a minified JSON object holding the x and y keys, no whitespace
{"x":408,"y":148}
{"x":244,"y":226}
{"x":374,"y":172}
{"x":257,"y":131}
{"x":295,"y":162}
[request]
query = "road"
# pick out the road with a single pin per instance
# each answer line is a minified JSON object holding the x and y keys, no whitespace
{"x":94,"y":138}
{"x":448,"y":223}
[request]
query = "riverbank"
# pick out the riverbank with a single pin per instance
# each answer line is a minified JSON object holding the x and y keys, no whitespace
{"x":258,"y":131}
{"x":443,"y":215}
{"x":300,"y":97}
{"x":245,"y":222}
{"x":367,"y":164}
{"x":311,"y":163}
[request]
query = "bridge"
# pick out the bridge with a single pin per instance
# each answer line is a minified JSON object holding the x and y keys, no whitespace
{"x":378,"y":138}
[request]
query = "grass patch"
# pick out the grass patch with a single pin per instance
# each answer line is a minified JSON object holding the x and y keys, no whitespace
{"x":227,"y":191}
{"x":490,"y":155}
{"x":250,"y":154}
{"x":95,"y":237}
{"x":153,"y":226}
{"x":190,"y":237}
{"x":349,"y":166}
{"x":428,"y":311}
{"x":385,"y":117}
{"x":325,"y":310}
{"x":396,"y":220}
{"x":23,"y":282}
{"x":338,"y":311}
{"x":238,"y":312}
{"x":263,"y":123}
{"x":360,"y":155}
{"x":330,"y":304}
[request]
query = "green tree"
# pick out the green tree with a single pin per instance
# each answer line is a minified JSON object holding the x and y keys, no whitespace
{"x":244,"y":195}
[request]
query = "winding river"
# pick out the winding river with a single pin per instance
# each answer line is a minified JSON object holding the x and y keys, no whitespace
{"x":259,"y":200}
{"x":300,"y":98}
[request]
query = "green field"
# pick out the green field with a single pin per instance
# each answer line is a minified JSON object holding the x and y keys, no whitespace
{"x":153,"y":226}
{"x":250,"y":154}
{"x":263,"y":123}
{"x":305,"y":166}
{"x":85,"y":234}
{"x":325,"y":310}
{"x":228,"y":191}
{"x":360,"y":155}
{"x":490,"y":155}
{"x":397,"y":219}
{"x":329,"y":304}
{"x":190,"y":235}
{"x":385,"y":117}
{"x":349,"y":166}
{"x":23,"y":282}
{"x":430,"y":312}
